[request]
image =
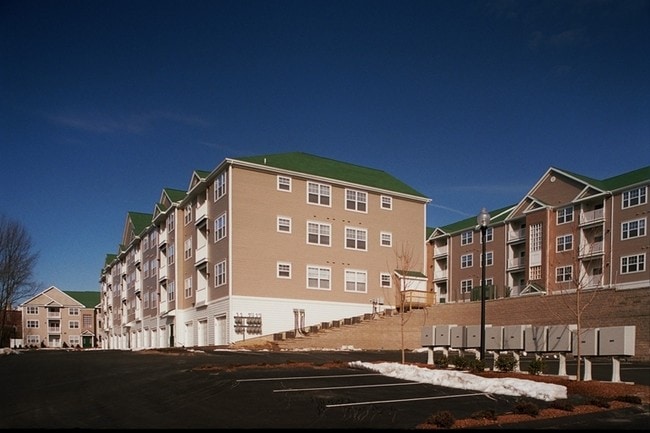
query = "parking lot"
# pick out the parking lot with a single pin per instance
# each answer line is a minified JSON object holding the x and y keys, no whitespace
{"x":224,"y":389}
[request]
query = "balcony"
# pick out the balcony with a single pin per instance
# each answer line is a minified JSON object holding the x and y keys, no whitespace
{"x":516,"y":263}
{"x":440,"y":275}
{"x":592,"y":217}
{"x":201,"y":213}
{"x":592,"y":249}
{"x":516,"y":235}
{"x":201,"y":255}
{"x":440,"y":251}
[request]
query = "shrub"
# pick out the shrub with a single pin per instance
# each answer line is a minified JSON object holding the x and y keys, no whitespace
{"x":629,"y":399}
{"x":485,"y":414}
{"x":476,"y":365}
{"x":459,"y":362}
{"x":442,"y":362}
{"x":564,"y":405}
{"x":536,"y":366}
{"x":443,"y":419}
{"x":506,"y":362}
{"x":527,"y":408}
{"x":600,"y":402}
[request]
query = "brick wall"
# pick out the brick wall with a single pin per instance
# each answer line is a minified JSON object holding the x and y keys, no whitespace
{"x":603,"y":308}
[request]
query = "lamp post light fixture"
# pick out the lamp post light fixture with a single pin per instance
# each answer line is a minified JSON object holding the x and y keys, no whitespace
{"x":483,"y":220}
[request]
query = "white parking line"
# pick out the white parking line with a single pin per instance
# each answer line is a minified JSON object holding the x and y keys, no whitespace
{"x":344,"y":387}
{"x":361,"y":403}
{"x":307,"y":377}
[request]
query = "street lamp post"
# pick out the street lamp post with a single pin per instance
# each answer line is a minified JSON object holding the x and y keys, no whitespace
{"x":483,"y":220}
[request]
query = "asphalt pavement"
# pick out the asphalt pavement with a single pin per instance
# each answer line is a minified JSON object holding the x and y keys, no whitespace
{"x":98,"y":389}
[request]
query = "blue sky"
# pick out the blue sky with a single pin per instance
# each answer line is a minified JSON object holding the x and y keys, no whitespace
{"x":105,"y":103}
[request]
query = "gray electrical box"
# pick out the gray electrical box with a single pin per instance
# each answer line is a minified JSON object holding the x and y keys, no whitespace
{"x":513,"y":337}
{"x":427,"y":336}
{"x":494,"y":338}
{"x":560,"y":338}
{"x":536,"y":339}
{"x":617,"y":341}
{"x":443,"y":335}
{"x":588,"y":339}
{"x":458,"y":337}
{"x":473,"y":335}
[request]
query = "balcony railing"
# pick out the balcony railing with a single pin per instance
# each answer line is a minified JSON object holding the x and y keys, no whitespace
{"x":440,"y":275}
{"x":440,"y":251}
{"x":592,"y":216}
{"x":592,"y":249}
{"x":516,"y":235}
{"x":517,"y":262}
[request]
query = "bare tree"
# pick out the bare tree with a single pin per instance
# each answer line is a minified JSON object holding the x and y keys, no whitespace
{"x":404,"y":277}
{"x":583,"y":279}
{"x":17,"y":263}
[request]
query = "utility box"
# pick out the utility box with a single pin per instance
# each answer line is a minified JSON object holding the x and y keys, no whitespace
{"x":513,"y":337}
{"x":494,"y":338}
{"x":443,"y":335}
{"x":473,"y":335}
{"x":536,"y":339}
{"x":560,"y":338}
{"x":459,"y":337}
{"x":427,"y":336}
{"x":617,"y":341}
{"x":588,"y":339}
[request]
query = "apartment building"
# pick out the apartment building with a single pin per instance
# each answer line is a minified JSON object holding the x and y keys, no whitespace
{"x":58,"y":319}
{"x":568,"y":232}
{"x":261,"y":245}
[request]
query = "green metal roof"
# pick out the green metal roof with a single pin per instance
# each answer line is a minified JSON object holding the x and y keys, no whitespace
{"x":88,"y":299}
{"x":140,"y":221}
{"x":329,"y":168}
{"x":496,"y":216}
{"x":616,"y":182}
{"x":175,"y":194}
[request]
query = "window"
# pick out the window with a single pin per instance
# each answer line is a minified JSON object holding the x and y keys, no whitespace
{"x":466,"y":238}
{"x":145,"y":269}
{"x":633,"y":229}
{"x":356,"y":239}
{"x":386,"y":202}
{"x":87,"y":320}
{"x":535,"y":236}
{"x":73,"y":324}
{"x":564,"y":243}
{"x":33,"y":339}
{"x":171,"y":291}
{"x":284,"y":270}
{"x":466,"y":261}
{"x":635,"y":197}
{"x":74,"y":340}
{"x":171,"y":222}
{"x":355,"y":281}
{"x":220,"y":186}
{"x":32,"y":310}
{"x":170,"y":255}
{"x":318,"y":234}
{"x":565,"y":215}
{"x":32,"y":323}
{"x":284,"y":224}
{"x":563,"y":274}
{"x":356,"y":200}
{"x":318,"y":278}
{"x":466,"y":286}
{"x":318,"y":194}
{"x":489,"y":235}
{"x":220,"y":273}
{"x":187,"y":252}
{"x":220,"y":227}
{"x":385,"y":280}
{"x":188,"y":287}
{"x":187,"y":214}
{"x":386,"y":239}
{"x":284,"y":183}
{"x":632,"y":264}
{"x":489,"y":258}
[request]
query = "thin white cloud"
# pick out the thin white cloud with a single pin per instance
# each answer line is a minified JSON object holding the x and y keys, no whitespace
{"x":131,"y":124}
